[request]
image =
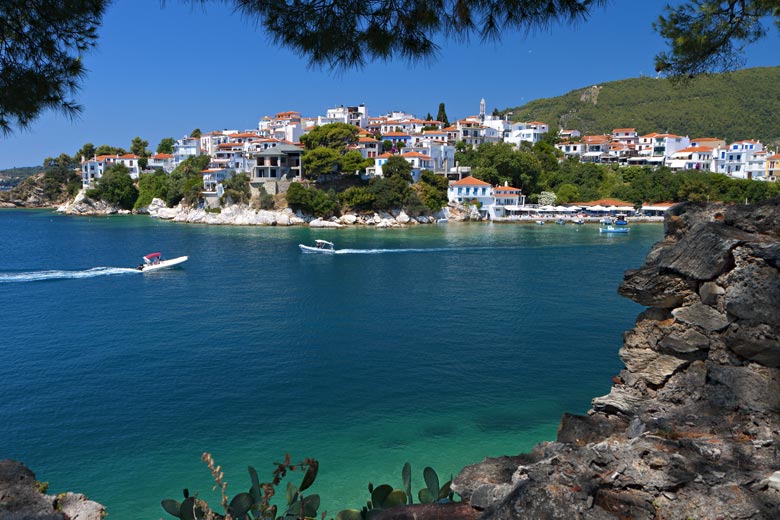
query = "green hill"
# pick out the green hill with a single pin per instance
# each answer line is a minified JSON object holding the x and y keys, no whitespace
{"x":739,"y":105}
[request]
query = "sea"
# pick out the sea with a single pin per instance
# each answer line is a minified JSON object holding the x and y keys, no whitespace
{"x":437,"y":345}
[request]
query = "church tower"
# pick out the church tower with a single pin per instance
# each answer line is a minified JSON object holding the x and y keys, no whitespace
{"x":482,"y":110}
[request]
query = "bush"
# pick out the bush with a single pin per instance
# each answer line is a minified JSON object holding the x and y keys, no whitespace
{"x":116,"y":187}
{"x":264,"y":199}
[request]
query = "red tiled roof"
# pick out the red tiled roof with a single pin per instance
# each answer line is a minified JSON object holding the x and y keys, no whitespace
{"x":470,"y":181}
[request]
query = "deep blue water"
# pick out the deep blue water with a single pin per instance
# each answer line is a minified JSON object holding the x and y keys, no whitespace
{"x":437,"y":345}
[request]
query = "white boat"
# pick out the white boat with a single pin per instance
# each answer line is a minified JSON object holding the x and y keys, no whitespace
{"x":320,"y":246}
{"x":578,"y":220}
{"x":612,"y":229}
{"x":155,"y":262}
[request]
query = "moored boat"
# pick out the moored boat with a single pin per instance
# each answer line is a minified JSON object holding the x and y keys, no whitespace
{"x":320,"y":246}
{"x":612,"y":229}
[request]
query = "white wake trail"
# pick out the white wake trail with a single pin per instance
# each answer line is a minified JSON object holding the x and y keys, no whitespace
{"x":35,"y":276}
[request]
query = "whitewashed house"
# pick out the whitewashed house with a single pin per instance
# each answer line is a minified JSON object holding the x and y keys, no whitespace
{"x":472,"y":191}
{"x":571,"y":149}
{"x":691,"y":158}
{"x":163,"y":161}
{"x":351,"y":115}
{"x":507,"y":200}
{"x":732,"y":160}
{"x":185,"y":148}
{"x":529,"y":132}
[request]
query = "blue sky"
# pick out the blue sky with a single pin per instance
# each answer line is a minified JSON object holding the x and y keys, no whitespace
{"x":163,"y":71}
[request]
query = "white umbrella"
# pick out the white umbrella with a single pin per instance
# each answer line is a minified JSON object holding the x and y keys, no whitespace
{"x":597,"y":207}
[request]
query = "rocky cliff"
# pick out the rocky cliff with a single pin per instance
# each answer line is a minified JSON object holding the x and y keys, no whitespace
{"x":691,"y":427}
{"x":22,"y":498}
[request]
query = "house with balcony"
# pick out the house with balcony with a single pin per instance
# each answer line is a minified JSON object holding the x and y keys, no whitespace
{"x":571,"y":149}
{"x":568,"y":135}
{"x":645,"y":145}
{"x":626,"y":136}
{"x":470,"y":190}
{"x":163,"y":161}
{"x":733,"y":159}
{"x":185,"y":148}
{"x":596,"y":148}
{"x":665,"y":145}
{"x":529,"y":132}
{"x":351,"y":115}
{"x":212,"y":177}
{"x":507,"y":200}
{"x":275,"y":168}
{"x":368,"y":147}
{"x":772,"y":173}
{"x":441,"y":154}
{"x":691,"y":158}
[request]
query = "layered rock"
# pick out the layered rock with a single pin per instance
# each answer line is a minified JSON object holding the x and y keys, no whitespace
{"x":21,"y":498}
{"x":691,"y":427}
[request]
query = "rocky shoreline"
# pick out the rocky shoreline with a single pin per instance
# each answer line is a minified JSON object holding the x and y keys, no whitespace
{"x":691,"y":427}
{"x":24,"y":498}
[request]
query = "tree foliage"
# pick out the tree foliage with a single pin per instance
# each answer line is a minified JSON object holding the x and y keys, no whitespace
{"x":151,"y":186}
{"x":333,"y":135}
{"x":347,"y":34}
{"x":166,"y":145}
{"x":711,"y":35}
{"x":41,"y":44}
{"x":105,"y":149}
{"x":729,"y":106}
{"x":138,"y":147}
{"x":397,"y":166}
{"x":320,"y":161}
{"x":116,"y":187}
{"x":237,"y":188}
{"x":441,"y":115}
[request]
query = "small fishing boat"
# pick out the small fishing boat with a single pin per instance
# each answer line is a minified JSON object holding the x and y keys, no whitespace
{"x":320,"y":246}
{"x":620,"y":220}
{"x":612,"y":229}
{"x":578,"y":220}
{"x":155,"y":262}
{"x":540,"y":222}
{"x":560,"y":222}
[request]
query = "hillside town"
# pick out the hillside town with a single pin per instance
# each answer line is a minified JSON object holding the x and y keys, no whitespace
{"x":272,"y":154}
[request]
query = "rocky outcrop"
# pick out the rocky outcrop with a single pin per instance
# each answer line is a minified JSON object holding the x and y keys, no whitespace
{"x":83,"y":205}
{"x":691,"y":427}
{"x":21,"y":498}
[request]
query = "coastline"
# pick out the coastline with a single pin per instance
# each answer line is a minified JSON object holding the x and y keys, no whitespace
{"x":244,"y":215}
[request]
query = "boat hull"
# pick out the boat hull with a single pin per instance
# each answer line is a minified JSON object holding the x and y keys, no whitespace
{"x":614,"y":230}
{"x":320,"y":250}
{"x":164,"y":264}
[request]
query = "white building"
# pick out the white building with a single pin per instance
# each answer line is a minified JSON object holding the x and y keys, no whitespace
{"x":354,"y":115}
{"x":691,"y":158}
{"x":733,"y":160}
{"x":470,"y":191}
{"x":185,"y":148}
{"x":529,"y":132}
{"x":164,"y":161}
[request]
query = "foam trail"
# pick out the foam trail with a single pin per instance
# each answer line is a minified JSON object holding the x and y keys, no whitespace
{"x":413,"y":250}
{"x":35,"y":276}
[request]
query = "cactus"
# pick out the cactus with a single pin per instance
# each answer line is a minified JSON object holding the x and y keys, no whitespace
{"x":406,"y":477}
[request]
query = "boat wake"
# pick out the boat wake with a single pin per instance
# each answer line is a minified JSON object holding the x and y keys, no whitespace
{"x":35,"y":276}
{"x":405,"y":250}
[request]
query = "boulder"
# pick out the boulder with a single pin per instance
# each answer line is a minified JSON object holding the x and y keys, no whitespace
{"x":702,"y":316}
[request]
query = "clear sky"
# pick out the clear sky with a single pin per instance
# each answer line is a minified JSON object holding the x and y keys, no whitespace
{"x":162,"y":71}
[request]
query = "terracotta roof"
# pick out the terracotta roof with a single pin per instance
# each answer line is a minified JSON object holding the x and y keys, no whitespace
{"x":691,"y":149}
{"x":162,"y":156}
{"x":470,"y":181}
{"x":415,"y":154}
{"x":128,"y":156}
{"x":706,"y":139}
{"x":395,"y":134}
{"x":506,"y":188}
{"x":623,"y":130}
{"x":367,"y":140}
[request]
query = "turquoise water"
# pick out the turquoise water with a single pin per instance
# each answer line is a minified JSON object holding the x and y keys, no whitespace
{"x":437,"y":345}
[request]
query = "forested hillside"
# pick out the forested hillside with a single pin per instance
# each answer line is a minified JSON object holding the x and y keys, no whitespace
{"x":740,"y":105}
